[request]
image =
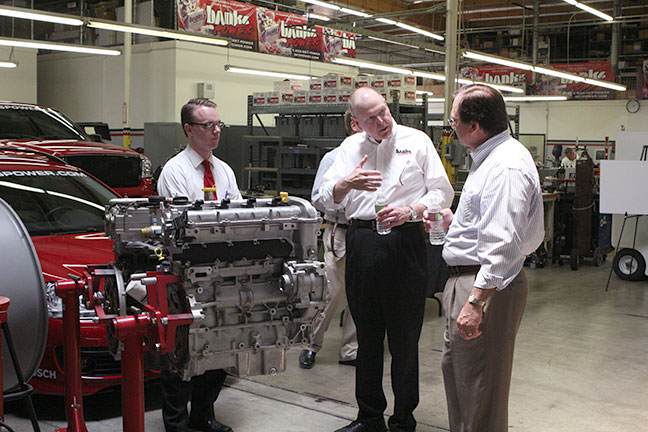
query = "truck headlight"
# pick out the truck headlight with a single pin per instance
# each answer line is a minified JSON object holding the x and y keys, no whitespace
{"x":147,"y":166}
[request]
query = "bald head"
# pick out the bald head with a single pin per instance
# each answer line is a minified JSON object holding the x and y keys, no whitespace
{"x":370,"y":111}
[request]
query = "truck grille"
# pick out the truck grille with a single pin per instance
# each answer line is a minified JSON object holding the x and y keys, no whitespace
{"x":115,"y":171}
{"x":95,"y":361}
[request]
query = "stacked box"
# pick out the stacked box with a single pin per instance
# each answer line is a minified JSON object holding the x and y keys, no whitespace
{"x":301,"y":97}
{"x":344,"y":95}
{"x":399,"y":81}
{"x":337,"y":82}
{"x":379,"y":82}
{"x":259,"y":98}
{"x":287,"y":85}
{"x":273,"y":98}
{"x":361,"y":81}
{"x":315,"y":97}
{"x":329,"y":95}
{"x":286,"y":97}
{"x":317,"y":84}
{"x":407,"y":97}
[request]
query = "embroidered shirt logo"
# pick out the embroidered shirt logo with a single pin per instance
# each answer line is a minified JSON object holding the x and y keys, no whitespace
{"x":403,"y":151}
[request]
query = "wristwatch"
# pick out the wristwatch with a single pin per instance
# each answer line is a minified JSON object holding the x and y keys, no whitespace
{"x":474,"y":300}
{"x":413,"y":213}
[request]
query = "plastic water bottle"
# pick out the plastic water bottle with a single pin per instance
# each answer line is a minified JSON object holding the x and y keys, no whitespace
{"x":381,"y":203}
{"x":437,"y":233}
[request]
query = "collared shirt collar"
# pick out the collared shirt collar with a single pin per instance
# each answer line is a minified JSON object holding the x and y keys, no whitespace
{"x":483,"y":150}
{"x":391,"y":137}
{"x":195,"y":158}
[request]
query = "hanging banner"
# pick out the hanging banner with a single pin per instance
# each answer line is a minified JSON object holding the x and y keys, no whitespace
{"x":549,"y":85}
{"x":264,"y":30}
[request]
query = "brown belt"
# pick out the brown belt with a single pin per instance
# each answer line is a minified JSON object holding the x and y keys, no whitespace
{"x":459,"y":270}
{"x":339,"y":225}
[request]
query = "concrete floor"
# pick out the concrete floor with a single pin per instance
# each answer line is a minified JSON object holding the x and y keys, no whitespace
{"x":580,"y":365}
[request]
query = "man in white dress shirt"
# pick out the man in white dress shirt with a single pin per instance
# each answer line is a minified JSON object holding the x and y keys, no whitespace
{"x":498,"y":222}
{"x":386,"y":275}
{"x":185,"y":175}
{"x":569,"y":161}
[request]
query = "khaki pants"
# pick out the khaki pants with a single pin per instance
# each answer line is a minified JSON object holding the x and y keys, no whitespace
{"x":477,"y":372}
{"x":335,"y":274}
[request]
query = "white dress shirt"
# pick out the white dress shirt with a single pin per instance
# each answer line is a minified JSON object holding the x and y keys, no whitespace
{"x":410,"y":166}
{"x":500,"y":217}
{"x":568,"y":163}
{"x":329,"y":214}
{"x":183,"y":175}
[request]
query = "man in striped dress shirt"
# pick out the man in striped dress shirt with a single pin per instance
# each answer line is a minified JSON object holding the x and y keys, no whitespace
{"x":498,"y":222}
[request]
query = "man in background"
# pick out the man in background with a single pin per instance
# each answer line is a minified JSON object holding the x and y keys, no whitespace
{"x":569,"y":161}
{"x":334,"y":240}
{"x":186,"y":174}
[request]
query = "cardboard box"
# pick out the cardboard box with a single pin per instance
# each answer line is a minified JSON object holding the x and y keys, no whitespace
{"x":315,"y":97}
{"x":301,"y":97}
{"x":259,"y":98}
{"x":286,"y":97}
{"x":379,"y":82}
{"x":401,"y":81}
{"x":361,"y":81}
{"x":337,"y":82}
{"x":343,"y":95}
{"x":287,"y":85}
{"x":404,"y":96}
{"x":272,"y":98}
{"x":317,"y":84}
{"x":329,"y":95}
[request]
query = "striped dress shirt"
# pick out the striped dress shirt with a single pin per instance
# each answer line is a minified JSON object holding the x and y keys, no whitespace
{"x":500,"y":217}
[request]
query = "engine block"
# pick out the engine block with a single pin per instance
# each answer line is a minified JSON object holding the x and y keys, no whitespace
{"x":246,"y":270}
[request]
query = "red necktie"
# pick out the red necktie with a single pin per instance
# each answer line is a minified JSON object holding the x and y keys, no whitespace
{"x":208,"y":179}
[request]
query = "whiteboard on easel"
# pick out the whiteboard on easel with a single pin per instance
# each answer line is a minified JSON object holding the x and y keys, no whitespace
{"x":624,"y":187}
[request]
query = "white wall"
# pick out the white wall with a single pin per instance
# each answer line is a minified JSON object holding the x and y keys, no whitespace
{"x":19,"y":84}
{"x":165,"y":75}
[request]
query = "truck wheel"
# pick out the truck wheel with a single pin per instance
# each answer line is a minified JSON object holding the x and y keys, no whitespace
{"x":629,"y":265}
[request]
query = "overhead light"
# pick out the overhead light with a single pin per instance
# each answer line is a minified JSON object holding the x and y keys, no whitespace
{"x":386,"y":21}
{"x":8,"y":64}
{"x":28,"y":43}
{"x":589,"y":9}
{"x":317,"y":16}
{"x":427,"y":92}
{"x":31,"y":14}
{"x":337,"y":8}
{"x":441,"y":77}
{"x":542,"y":70}
{"x":539,"y":98}
{"x":353,"y":12}
{"x":152,"y":31}
{"x":495,"y":59}
{"x":370,"y":65}
{"x":260,"y":72}
{"x":419,"y":31}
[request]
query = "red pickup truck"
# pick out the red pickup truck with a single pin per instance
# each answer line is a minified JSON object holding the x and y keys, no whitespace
{"x":42,"y":128}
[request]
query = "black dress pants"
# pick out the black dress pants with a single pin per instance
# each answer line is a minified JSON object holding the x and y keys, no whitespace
{"x":203,"y":391}
{"x":385,"y":282}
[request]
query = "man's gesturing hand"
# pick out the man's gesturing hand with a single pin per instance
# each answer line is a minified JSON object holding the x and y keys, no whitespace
{"x":359,"y":179}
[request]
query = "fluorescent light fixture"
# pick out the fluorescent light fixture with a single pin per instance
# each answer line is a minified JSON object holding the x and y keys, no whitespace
{"x":392,"y":42}
{"x":495,"y":59}
{"x":318,"y":16}
{"x":28,"y":43}
{"x":8,"y":64}
{"x":542,"y":70}
{"x":370,"y":65}
{"x":591,"y":10}
{"x":152,"y":31}
{"x":31,"y":14}
{"x":441,"y":77}
{"x":539,"y":98}
{"x":606,"y":84}
{"x":386,"y":21}
{"x":249,"y":71}
{"x":430,"y":75}
{"x":427,"y":92}
{"x":353,"y":12}
{"x":419,"y":31}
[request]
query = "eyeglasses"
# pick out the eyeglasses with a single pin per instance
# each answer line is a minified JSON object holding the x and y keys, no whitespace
{"x":452,"y":121}
{"x":209,"y":125}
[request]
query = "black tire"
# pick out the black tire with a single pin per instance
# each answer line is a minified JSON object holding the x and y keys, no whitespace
{"x":598,"y":257}
{"x":573,"y":259}
{"x":629,"y":265}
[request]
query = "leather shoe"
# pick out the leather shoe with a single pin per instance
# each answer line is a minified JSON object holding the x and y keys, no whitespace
{"x":350,"y":362}
{"x":211,"y":426}
{"x":307,"y":359}
{"x":358,"y":426}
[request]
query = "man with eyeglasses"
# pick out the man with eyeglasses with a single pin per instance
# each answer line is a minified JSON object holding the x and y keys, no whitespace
{"x":195,"y":168}
{"x":186,"y":174}
{"x":386,"y":275}
{"x":498,"y":222}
